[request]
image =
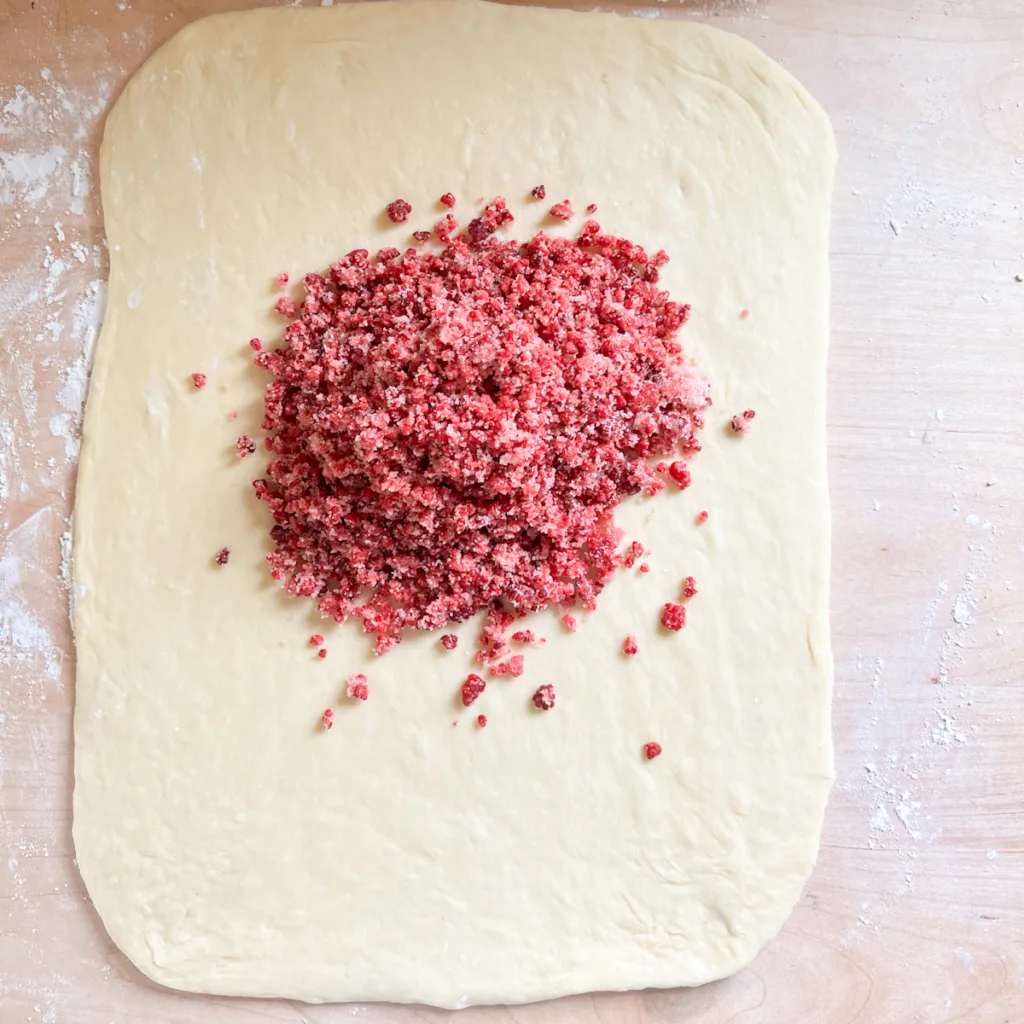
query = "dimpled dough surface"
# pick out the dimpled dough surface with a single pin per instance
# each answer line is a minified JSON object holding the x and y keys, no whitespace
{"x":228,"y":844}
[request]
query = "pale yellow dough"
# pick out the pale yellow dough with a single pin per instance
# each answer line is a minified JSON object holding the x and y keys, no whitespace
{"x":228,"y":844}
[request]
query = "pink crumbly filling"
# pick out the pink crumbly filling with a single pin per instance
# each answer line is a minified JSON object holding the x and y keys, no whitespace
{"x":452,"y":431}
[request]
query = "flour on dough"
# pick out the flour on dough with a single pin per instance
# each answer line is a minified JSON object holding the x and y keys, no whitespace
{"x":228,"y":844}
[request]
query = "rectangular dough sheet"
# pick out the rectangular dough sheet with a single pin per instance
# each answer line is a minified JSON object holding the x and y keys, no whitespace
{"x":231,"y":847}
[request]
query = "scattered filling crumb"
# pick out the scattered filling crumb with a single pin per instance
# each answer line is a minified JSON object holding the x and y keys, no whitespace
{"x":673,"y":616}
{"x":633,"y":552}
{"x":357,"y":687}
{"x":445,"y":228}
{"x":398,"y":211}
{"x":680,"y":472}
{"x":739,"y":423}
{"x":472,"y":688}
{"x":562,"y":210}
{"x":544,"y":698}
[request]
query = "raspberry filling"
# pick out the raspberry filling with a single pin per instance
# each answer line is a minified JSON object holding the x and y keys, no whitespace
{"x":451,"y":431}
{"x":357,"y":687}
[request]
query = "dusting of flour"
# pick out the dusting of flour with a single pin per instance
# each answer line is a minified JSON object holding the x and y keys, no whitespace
{"x":52,"y":295}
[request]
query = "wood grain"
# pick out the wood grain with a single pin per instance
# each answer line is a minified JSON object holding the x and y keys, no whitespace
{"x":915,"y":912}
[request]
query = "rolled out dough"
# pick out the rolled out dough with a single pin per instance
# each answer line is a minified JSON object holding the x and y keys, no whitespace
{"x":228,"y":844}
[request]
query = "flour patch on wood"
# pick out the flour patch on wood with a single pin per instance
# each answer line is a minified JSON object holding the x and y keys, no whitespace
{"x":51,"y":306}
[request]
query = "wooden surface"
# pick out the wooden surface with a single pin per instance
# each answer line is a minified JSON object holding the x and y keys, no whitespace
{"x":916,"y":909}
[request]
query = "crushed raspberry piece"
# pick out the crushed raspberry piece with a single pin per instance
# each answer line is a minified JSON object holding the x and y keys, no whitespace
{"x":680,"y":472}
{"x":357,"y":687}
{"x":544,"y":698}
{"x":524,"y":636}
{"x":652,"y":750}
{"x":456,"y":429}
{"x":255,"y":344}
{"x":384,"y":643}
{"x":749,"y":414}
{"x":591,"y":209}
{"x":398,"y":211}
{"x":539,"y":192}
{"x":448,"y":199}
{"x":644,"y":567}
{"x":316,"y":640}
{"x":421,"y":236}
{"x":327,"y":719}
{"x":322,"y":653}
{"x":501,"y":669}
{"x":562,"y":210}
{"x":233,"y":415}
{"x":738,"y":424}
{"x":702,"y":517}
{"x":245,"y":446}
{"x":222,"y":556}
{"x":450,"y":641}
{"x":472,"y":688}
{"x":481,"y":720}
{"x":515,"y":666}
{"x":286,"y":306}
{"x":673,"y":616}
{"x":569,"y":621}
{"x":387,"y":254}
{"x":744,"y":313}
{"x":281,"y":280}
{"x":629,"y":645}
{"x":445,"y":228}
{"x":199,"y":380}
{"x":496,"y":214}
{"x":689,"y":588}
{"x":635,"y":550}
